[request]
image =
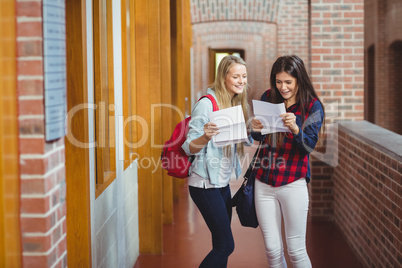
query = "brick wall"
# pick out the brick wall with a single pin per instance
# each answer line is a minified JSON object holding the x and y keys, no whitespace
{"x":42,"y":170}
{"x":321,"y":191}
{"x":368,"y":192}
{"x":223,"y":10}
{"x":394,"y":20}
{"x":293,"y":29}
{"x":337,"y":54}
{"x":337,"y":72}
{"x":383,"y":34}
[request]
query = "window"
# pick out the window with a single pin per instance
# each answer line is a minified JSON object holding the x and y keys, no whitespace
{"x":395,"y":71}
{"x":104,"y":95}
{"x":215,"y":57}
{"x":370,"y":86}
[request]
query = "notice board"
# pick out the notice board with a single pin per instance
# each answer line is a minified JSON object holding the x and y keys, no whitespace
{"x":54,"y":61}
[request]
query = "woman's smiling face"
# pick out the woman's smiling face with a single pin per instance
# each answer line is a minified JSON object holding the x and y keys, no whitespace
{"x":236,"y":79}
{"x":287,"y":86}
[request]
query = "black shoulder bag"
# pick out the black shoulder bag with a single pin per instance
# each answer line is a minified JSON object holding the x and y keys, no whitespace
{"x":243,"y":200}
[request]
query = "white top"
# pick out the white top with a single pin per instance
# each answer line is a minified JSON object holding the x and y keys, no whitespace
{"x":225,"y":175}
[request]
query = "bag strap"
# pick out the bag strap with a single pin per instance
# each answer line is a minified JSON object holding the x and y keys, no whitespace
{"x":252,"y":163}
{"x":246,"y":177}
{"x":215,"y":106}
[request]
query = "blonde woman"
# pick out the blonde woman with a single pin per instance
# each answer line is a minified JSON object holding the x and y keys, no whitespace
{"x":212,"y":167}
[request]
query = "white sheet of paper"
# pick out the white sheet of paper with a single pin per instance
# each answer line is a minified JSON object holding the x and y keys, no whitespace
{"x":231,"y":124}
{"x":269,"y":115}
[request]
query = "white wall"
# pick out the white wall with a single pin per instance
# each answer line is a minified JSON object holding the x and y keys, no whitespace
{"x":114,"y":214}
{"x":115,"y":224}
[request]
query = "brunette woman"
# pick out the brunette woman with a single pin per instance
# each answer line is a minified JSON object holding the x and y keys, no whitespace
{"x":282,"y":170}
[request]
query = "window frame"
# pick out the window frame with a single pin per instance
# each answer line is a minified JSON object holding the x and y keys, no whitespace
{"x":129,"y":81}
{"x":105,"y":152}
{"x":212,"y":59}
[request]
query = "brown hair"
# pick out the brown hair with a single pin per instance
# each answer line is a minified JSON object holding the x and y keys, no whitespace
{"x":294,"y":66}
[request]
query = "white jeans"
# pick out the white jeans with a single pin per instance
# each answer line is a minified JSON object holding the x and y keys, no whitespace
{"x":291,"y":202}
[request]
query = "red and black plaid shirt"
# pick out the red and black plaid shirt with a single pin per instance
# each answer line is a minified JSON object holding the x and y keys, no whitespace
{"x":280,"y":165}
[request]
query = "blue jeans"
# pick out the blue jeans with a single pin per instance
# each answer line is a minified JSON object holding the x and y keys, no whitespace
{"x":216,"y":208}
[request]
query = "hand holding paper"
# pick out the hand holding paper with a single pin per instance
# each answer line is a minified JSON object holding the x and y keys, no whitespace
{"x":269,"y":115}
{"x":231,"y":124}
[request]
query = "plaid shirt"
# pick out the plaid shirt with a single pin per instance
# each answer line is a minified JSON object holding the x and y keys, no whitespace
{"x":289,"y":162}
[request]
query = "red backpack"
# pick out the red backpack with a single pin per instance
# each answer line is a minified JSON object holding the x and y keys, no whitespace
{"x":174,"y":159}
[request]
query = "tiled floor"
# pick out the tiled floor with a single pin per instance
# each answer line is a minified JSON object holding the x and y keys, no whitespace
{"x":187,"y":241}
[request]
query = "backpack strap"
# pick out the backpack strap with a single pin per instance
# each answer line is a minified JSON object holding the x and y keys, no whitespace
{"x":215,"y":106}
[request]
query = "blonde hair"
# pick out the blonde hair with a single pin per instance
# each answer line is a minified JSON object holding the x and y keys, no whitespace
{"x":223,"y":96}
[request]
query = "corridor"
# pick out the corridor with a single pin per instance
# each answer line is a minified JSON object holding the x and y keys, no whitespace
{"x":187,"y":241}
{"x":91,"y":90}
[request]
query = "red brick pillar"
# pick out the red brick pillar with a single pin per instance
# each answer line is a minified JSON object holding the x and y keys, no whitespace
{"x":337,"y":64}
{"x":43,"y":207}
